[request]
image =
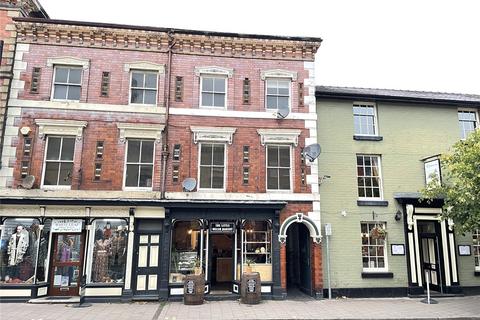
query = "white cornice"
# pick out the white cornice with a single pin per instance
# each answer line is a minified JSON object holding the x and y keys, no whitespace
{"x":141,"y":131}
{"x":287,"y":136}
{"x":144,"y":65}
{"x":213,"y":134}
{"x":214,"y":70}
{"x":278,"y":73}
{"x":69,"y":61}
{"x":60,"y":127}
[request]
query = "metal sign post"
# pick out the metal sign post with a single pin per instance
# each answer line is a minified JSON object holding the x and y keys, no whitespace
{"x":427,"y":300}
{"x":328,"y":233}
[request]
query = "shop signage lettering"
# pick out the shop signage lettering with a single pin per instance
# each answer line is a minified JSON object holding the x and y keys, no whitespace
{"x":190,"y":287}
{"x":67,"y":225}
{"x":222,"y":227}
{"x":251,"y":284}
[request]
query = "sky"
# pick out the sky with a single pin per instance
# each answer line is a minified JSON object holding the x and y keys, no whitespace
{"x":410,"y":44}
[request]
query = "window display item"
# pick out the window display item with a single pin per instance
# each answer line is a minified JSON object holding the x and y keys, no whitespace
{"x":17,"y":246}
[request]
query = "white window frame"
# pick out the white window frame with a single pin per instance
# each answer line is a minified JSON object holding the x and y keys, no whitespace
{"x":125,"y":188}
{"x":224,"y":167}
{"x":289,"y":92}
{"x":375,"y":118}
{"x":291,"y":168}
{"x":477,"y":120}
{"x":52,"y":90}
{"x":56,"y":187}
{"x":156,"y":73}
{"x":476,"y":244}
{"x":385,"y":246}
{"x":215,"y":76}
{"x":380,"y":176}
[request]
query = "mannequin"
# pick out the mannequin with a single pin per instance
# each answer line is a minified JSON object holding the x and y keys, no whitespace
{"x":118,"y":257}
{"x":107,"y":231}
{"x":17,"y":246}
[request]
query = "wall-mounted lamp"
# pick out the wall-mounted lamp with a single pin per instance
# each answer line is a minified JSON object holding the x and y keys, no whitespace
{"x":398,"y":215}
{"x":343,"y":213}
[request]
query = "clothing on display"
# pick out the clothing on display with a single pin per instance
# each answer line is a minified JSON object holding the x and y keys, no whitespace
{"x":101,"y":254}
{"x":17,"y":246}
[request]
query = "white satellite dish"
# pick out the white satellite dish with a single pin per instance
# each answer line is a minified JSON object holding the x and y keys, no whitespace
{"x":189,"y":184}
{"x":27,"y":182}
{"x":312,"y":151}
{"x":282,"y":112}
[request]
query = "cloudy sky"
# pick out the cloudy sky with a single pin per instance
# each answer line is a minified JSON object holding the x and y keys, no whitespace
{"x":409,"y":44}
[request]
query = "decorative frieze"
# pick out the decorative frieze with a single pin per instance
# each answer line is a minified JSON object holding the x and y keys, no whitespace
{"x":140,"y":131}
{"x":278,"y":73}
{"x":282,"y":136}
{"x":68,"y":61}
{"x":214,"y":70}
{"x":60,"y":127}
{"x":144,"y":65}
{"x":213,"y":134}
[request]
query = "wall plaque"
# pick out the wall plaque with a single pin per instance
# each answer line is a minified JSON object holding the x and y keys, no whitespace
{"x":67,"y":225}
{"x":222,"y":227}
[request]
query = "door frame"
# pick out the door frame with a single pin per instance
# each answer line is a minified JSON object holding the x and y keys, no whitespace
{"x":296,"y":230}
{"x":210,"y":259}
{"x":135,"y":269}
{"x":438,"y":260}
{"x":51,"y":289}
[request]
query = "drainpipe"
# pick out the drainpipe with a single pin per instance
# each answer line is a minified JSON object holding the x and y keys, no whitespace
{"x":168,"y":78}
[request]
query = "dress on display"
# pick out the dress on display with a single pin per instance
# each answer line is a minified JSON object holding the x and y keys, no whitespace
{"x":101,"y":253}
{"x":17,"y":247}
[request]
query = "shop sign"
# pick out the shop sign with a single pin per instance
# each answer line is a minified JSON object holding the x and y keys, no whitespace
{"x":222,"y":227}
{"x":67,"y":225}
{"x":251,"y":284}
{"x":190,"y":287}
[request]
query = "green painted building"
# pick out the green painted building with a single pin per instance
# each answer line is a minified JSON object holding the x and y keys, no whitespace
{"x":378,"y":149}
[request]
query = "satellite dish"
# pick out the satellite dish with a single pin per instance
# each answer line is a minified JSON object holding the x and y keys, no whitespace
{"x":282,"y":112}
{"x":189,"y":184}
{"x":312,"y":151}
{"x":27,"y":182}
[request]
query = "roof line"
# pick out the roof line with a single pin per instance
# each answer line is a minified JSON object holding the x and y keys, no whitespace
{"x":162,"y":29}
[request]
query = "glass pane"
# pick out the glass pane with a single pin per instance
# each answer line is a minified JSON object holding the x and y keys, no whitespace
{"x":207,"y":84}
{"x":207,"y":99}
{"x":40,"y":239}
{"x":133,"y":151}
{"x":282,"y":102}
{"x":151,"y":81}
{"x":361,"y":192}
{"x":75,"y":76}
{"x":66,"y":170}
{"x":217,"y":177}
{"x":272,"y":178}
{"x":73,"y":93}
{"x":206,"y":154}
{"x":53,"y":149}
{"x":271,"y":102}
{"x":61,"y":75}
{"x":131,"y":179}
{"x":137,"y":80}
{"x":147,"y":151}
{"x":68,"y":248}
{"x":219,"y":100}
{"x":284,"y":182}
{"x":284,"y":156}
{"x":218,"y":154}
{"x":272,"y":156}
{"x":68,"y":148}
{"x":146,"y":172}
{"x":360,"y":160}
{"x":186,"y":250}
{"x":205,"y":177}
{"x":150,"y":97}
{"x":137,"y":96}
{"x":51,"y":173}
{"x":368,"y":193}
{"x":219,"y":84}
{"x":66,"y":276}
{"x":60,"y":92}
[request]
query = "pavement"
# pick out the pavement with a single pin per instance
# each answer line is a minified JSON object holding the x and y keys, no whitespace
{"x":384,"y":308}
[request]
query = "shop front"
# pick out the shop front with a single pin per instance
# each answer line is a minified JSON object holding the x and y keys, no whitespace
{"x":222,"y":243}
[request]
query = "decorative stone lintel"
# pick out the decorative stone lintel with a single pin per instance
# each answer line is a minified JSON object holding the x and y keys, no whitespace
{"x":60,"y":127}
{"x":213,"y":134}
{"x":144,"y":65}
{"x":286,"y":136}
{"x":214,"y":70}
{"x":69,"y":61}
{"x":140,"y":131}
{"x":278,"y":73}
{"x":410,"y":210}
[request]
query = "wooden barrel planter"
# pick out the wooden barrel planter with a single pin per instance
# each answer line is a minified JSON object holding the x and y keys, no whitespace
{"x":251,"y":288}
{"x":194,"y":289}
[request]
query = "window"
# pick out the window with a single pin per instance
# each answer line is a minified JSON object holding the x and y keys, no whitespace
{"x":212,"y":165}
{"x":476,"y":248}
{"x":108,"y":248}
{"x":139,"y":164}
{"x":246,"y":91}
{"x":246,"y":175}
{"x":58,"y":168}
{"x":364,"y":119}
{"x":373,"y":246}
{"x":369,"y":176}
{"x":179,"y":89}
{"x":278,"y":167}
{"x":177,"y":148}
{"x":143,"y":87}
{"x":104,"y":87}
{"x":246,"y":154}
{"x":301,"y":96}
{"x":257,"y":248}
{"x":99,"y":150}
{"x":67,"y":83}
{"x":175,"y":173}
{"x":35,"y":84}
{"x":213,"y":91}
{"x":468,"y":122}
{"x":97,"y":174}
{"x":277,"y":94}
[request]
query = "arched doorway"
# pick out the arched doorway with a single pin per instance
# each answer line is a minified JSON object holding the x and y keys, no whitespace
{"x":299,"y":271}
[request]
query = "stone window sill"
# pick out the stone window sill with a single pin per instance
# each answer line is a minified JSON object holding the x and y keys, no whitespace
{"x":377,"y":275}
{"x":372,"y":203}
{"x":367,"y":138}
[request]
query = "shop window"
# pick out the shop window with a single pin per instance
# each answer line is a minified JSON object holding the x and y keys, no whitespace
{"x":212,"y":165}
{"x":369,"y":177}
{"x":139,"y":164}
{"x":468,"y":122}
{"x":257,"y":249}
{"x":67,"y":83}
{"x":476,"y":248}
{"x":213,"y":91}
{"x":58,"y":167}
{"x":364,"y":119}
{"x":277,"y":94}
{"x":24,"y":247}
{"x":278,"y":167}
{"x":187,"y":253}
{"x":374,"y":256}
{"x":108,"y":251}
{"x":143,"y":87}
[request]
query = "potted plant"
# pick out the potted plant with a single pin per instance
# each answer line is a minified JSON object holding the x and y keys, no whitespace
{"x":378,"y":232}
{"x":248,"y":268}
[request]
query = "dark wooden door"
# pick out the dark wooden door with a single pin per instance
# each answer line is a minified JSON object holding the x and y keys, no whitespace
{"x":66,"y":264}
{"x":147,"y":264}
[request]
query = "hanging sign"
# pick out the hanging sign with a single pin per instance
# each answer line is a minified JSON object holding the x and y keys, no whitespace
{"x":432,"y":169}
{"x":67,"y":225}
{"x":222,"y":227}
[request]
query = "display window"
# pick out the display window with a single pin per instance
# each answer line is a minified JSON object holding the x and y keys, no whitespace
{"x":108,"y":251}
{"x":187,"y":255}
{"x":256,"y":253}
{"x":23,"y":251}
